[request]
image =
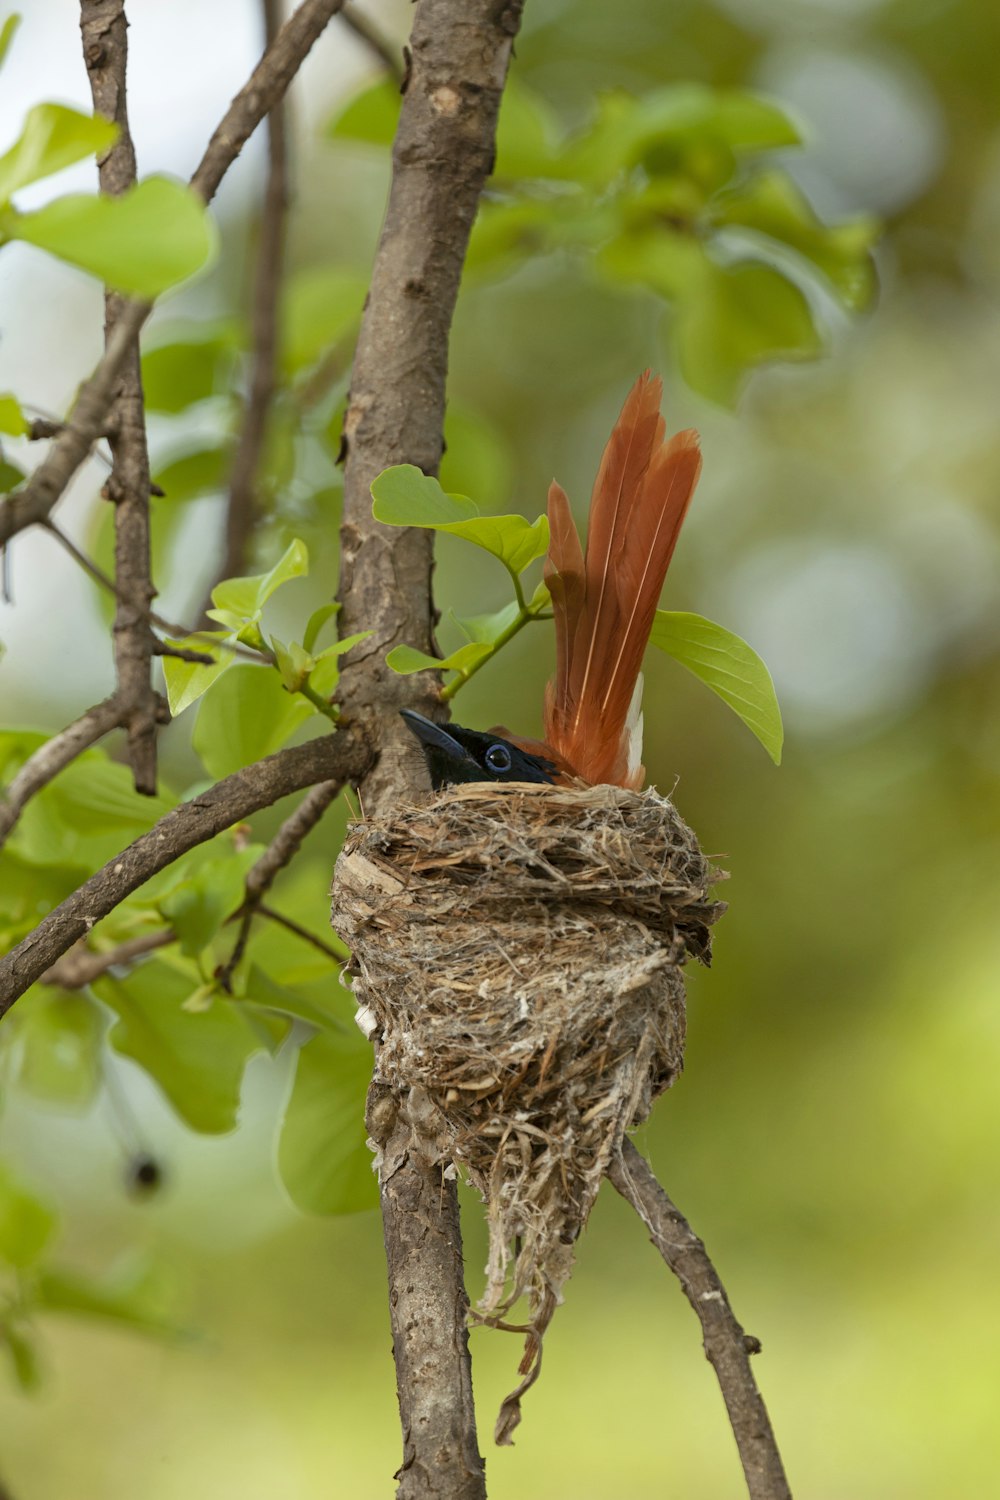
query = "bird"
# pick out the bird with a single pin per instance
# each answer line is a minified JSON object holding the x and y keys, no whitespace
{"x":604,"y":602}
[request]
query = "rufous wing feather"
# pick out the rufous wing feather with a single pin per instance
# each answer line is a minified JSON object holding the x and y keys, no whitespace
{"x":604,"y":603}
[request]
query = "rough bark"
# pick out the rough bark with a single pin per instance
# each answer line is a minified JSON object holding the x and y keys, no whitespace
{"x":104,"y":31}
{"x":442,"y":156}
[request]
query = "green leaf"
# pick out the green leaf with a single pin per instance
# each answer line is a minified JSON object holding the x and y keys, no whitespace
{"x":295,"y":1001}
{"x":196,"y":1057}
{"x":727,"y":665}
{"x":317,"y":620}
{"x":187,"y":680}
{"x":486,"y":628}
{"x":323,"y":1158}
{"x":26,"y":1224}
{"x":407,"y":659}
{"x":320,"y":306}
{"x":12,"y":419}
{"x":10,"y":477}
{"x":370,"y":117}
{"x":247,"y":715}
{"x":246,"y":597}
{"x":198,"y":906}
{"x":193,"y":475}
{"x":326,"y":673}
{"x":771,"y":204}
{"x":152,"y":237}
{"x":87,"y":814}
{"x":294,"y":663}
{"x":181,"y":373}
{"x":58,"y":1047}
{"x":7,"y":31}
{"x":741,"y":317}
{"x":403,"y":496}
{"x":53,"y":137}
{"x":18,"y":1338}
{"x":135,"y":1294}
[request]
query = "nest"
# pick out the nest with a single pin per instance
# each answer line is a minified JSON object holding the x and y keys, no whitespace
{"x":517,"y":951}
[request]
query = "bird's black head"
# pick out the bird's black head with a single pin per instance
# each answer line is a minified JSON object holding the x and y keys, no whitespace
{"x":455,"y":754}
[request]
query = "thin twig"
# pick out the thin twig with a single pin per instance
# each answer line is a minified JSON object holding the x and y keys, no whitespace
{"x":52,"y":757}
{"x":87,"y":420}
{"x":344,"y":756}
{"x":103,"y":30}
{"x":81,"y":966}
{"x":300,"y":931}
{"x":243,"y":507}
{"x":389,"y":54}
{"x":280,"y":852}
{"x":726,"y":1345}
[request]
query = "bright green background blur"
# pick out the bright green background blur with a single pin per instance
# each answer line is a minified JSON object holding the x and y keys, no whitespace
{"x":835,"y":1136}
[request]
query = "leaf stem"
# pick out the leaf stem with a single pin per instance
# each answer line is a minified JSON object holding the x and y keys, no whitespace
{"x":525,"y":614}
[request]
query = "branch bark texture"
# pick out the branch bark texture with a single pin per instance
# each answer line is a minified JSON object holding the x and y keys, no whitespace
{"x":104,"y":31}
{"x":343,"y":757}
{"x":49,"y":759}
{"x":442,"y":156}
{"x":727,"y":1347}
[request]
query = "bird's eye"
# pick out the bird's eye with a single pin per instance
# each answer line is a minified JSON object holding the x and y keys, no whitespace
{"x":498,"y":758}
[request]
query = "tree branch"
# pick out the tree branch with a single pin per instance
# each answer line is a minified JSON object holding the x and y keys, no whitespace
{"x":442,"y":156}
{"x":726,"y":1345}
{"x":344,"y":757}
{"x":49,"y":759}
{"x":105,"y":51}
{"x":81,"y":966}
{"x":243,"y":506}
{"x":280,"y":852}
{"x":266,"y":85}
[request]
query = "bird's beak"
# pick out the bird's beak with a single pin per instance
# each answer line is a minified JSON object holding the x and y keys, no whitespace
{"x":429,"y":733}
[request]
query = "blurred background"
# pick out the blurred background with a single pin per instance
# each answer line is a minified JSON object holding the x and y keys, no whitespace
{"x":835,"y":1137}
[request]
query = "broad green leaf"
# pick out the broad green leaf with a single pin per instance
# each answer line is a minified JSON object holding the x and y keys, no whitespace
{"x":192,"y":475}
{"x":10,"y":476}
{"x":247,"y":715}
{"x":669,"y":262}
{"x":181,"y":373}
{"x":326,"y":673}
{"x":370,"y":117}
{"x":320,"y":306}
{"x":11,"y":416}
{"x":771,"y":204}
{"x":28,"y":892}
{"x":53,"y":137}
{"x":196,"y":1057}
{"x":486,"y":628}
{"x":7,"y":31}
{"x":58,"y":1047}
{"x":317,"y":620}
{"x":405,"y":496}
{"x":87,"y":814}
{"x":407,"y":659}
{"x":727,"y":665}
{"x":152,"y":237}
{"x":135,"y":1293}
{"x":741,"y":316}
{"x":246,"y":597}
{"x":296,"y":1002}
{"x":323,"y":1158}
{"x":198,"y":906}
{"x":26,"y":1224}
{"x":187,"y":680}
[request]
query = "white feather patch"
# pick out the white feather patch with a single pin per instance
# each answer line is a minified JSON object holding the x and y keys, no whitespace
{"x":633,"y":728}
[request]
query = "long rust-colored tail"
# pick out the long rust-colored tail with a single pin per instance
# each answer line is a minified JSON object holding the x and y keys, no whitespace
{"x":604,"y":601}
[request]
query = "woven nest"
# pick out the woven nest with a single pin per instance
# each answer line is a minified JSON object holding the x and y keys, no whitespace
{"x":517,"y":953}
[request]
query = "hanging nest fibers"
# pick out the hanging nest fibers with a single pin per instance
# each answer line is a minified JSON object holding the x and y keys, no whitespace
{"x":517,"y":953}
